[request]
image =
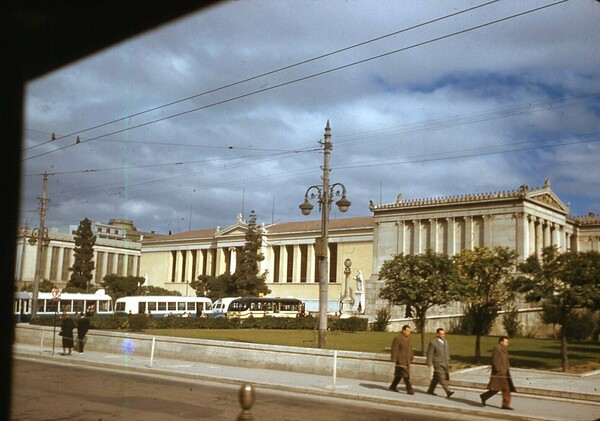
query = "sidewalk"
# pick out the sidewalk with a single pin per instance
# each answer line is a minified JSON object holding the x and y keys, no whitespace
{"x":542,"y":395}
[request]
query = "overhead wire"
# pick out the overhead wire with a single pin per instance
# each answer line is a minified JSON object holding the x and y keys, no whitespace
{"x":268,"y":73}
{"x":300,"y":79}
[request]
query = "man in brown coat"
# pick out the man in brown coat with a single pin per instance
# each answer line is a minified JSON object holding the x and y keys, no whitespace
{"x":402,"y":356}
{"x":500,"y":380}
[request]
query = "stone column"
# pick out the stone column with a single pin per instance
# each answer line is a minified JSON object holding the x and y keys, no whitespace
{"x":401,"y":242}
{"x":556,"y":228}
{"x":376,"y":251}
{"x":539,"y":238}
{"x":487,"y":230}
{"x":522,"y":236}
{"x":297,"y":262}
{"x":547,"y":238}
{"x":433,"y":235}
{"x":451,"y":236}
{"x":283,"y":258}
{"x":417,"y":236}
{"x":310,"y":263}
{"x":220,"y":266}
{"x":469,"y":233}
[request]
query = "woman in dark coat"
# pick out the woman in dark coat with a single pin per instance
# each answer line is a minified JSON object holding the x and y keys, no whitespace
{"x":66,"y":331}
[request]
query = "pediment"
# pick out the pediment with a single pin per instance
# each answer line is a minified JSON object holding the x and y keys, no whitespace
{"x":549,"y":199}
{"x":235,"y":230}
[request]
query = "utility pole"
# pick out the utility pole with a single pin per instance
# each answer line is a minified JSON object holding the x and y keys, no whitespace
{"x":40,"y":245}
{"x":325,"y":194}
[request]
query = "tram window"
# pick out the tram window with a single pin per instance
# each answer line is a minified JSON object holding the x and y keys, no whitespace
{"x":103,"y":306}
{"x":78,"y":305}
{"x":141,"y":307}
{"x":51,"y":306}
{"x":152,"y":306}
{"x":162,"y":306}
{"x":180,"y":306}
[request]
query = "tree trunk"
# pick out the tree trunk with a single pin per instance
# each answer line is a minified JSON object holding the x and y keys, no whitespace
{"x":563,"y":350}
{"x":422,"y":330}
{"x":478,"y":349}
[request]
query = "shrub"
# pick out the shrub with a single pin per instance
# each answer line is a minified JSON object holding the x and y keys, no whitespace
{"x":511,"y":322}
{"x":351,"y":324}
{"x":138,"y":322}
{"x":382,"y":320}
{"x":580,"y":326}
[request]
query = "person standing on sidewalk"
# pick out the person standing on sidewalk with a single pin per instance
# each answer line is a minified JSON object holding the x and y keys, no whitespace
{"x":66,"y":331}
{"x":402,"y":356}
{"x":83,"y":325}
{"x":438,"y":356}
{"x":500,"y":380}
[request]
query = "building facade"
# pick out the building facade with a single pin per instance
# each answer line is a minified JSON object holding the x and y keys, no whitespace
{"x":290,"y":263}
{"x":525,"y":220}
{"x":117,"y":251}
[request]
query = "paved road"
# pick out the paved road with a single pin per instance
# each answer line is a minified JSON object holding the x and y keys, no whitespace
{"x":567,"y":397}
{"x":50,"y":391}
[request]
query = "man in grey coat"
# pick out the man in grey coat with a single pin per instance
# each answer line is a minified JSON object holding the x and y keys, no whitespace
{"x":438,"y":356}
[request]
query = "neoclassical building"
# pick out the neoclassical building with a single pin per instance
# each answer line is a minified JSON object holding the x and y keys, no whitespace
{"x":290,"y":262}
{"x":525,"y":220}
{"x":117,"y":251}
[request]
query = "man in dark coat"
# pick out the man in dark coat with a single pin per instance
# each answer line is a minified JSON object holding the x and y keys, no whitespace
{"x":438,"y":356}
{"x":402,"y":356}
{"x":83,"y":325}
{"x":500,"y":380}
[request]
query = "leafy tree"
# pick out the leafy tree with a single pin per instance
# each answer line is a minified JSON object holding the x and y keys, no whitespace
{"x":121,"y":286}
{"x":83,"y":265}
{"x":214,"y":287}
{"x":485,"y":273}
{"x":152,"y":290}
{"x":419,"y":282}
{"x":562,"y":283}
{"x":44,"y":286}
{"x":245,"y":282}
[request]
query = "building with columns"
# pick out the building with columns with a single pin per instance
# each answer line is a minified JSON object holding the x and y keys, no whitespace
{"x":525,"y":220}
{"x":117,"y":251}
{"x":290,"y":263}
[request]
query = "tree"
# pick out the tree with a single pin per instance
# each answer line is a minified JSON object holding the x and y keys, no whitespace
{"x":486,"y":273}
{"x":45,"y":286}
{"x":152,"y":290}
{"x":245,"y":282}
{"x":246,"y":279}
{"x":419,"y":282}
{"x":562,"y":283}
{"x":83,"y":265}
{"x":121,"y":286}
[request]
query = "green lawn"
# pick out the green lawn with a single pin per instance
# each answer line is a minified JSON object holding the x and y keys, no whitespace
{"x":541,"y":354}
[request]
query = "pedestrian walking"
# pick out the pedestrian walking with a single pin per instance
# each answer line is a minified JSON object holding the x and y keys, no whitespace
{"x":402,"y":356}
{"x":66,"y":331}
{"x":500,"y":380}
{"x":438,"y":356}
{"x":83,"y":325}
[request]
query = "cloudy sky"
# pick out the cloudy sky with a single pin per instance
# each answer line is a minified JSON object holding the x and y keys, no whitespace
{"x":221,"y":112}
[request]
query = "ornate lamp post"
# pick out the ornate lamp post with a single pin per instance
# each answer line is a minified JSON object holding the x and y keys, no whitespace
{"x":347,"y":300}
{"x":324,"y":195}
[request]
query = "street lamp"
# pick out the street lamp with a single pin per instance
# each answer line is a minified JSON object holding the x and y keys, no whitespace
{"x":347,"y":300}
{"x":324,"y":194}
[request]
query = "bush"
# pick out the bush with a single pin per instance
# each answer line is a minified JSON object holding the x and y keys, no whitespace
{"x":382,"y":320}
{"x":580,"y":326}
{"x":511,"y":323}
{"x":351,"y":324}
{"x":138,"y":322}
